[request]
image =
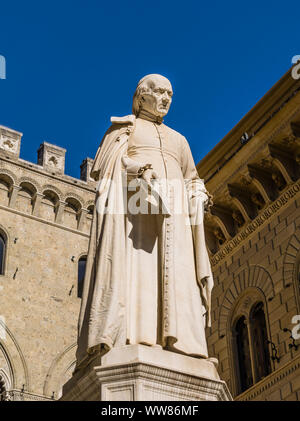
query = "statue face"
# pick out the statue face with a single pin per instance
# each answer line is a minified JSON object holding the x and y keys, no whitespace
{"x":158,"y":100}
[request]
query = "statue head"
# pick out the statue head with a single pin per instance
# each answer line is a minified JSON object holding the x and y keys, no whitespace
{"x":153,"y":94}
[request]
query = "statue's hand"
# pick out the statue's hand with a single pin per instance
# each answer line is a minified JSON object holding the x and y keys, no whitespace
{"x":148,"y":175}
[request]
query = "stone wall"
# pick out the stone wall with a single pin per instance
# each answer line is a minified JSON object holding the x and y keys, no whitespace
{"x":45,"y":217}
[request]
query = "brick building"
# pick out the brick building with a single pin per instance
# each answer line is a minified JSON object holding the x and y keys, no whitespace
{"x":253,"y":237}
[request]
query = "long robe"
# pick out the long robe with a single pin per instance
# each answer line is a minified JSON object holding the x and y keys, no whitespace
{"x":148,"y":278}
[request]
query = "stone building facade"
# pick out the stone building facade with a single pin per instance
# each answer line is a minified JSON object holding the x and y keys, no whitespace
{"x":45,"y":218}
{"x":253,"y":237}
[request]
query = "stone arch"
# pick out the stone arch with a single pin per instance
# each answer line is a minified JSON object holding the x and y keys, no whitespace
{"x":29,"y":186}
{"x":291,"y":264}
{"x":7,"y":179}
{"x":72,"y":211}
{"x":90,"y":210}
{"x":80,"y":255}
{"x":50,"y":195}
{"x":7,"y":239}
{"x":75,"y":196}
{"x":12,"y":350}
{"x":6,"y":369}
{"x":8,"y":173}
{"x":30,"y":181}
{"x":6,"y":186}
{"x":253,"y":276}
{"x":219,"y":225}
{"x":49,"y":204}
{"x":58,"y":369}
{"x":5,"y":233}
{"x":66,"y":375}
{"x":89,"y":203}
{"x":74,"y":201}
{"x":49,"y":187}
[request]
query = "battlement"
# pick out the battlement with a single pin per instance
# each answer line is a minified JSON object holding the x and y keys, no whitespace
{"x":50,"y":157}
{"x":10,"y":141}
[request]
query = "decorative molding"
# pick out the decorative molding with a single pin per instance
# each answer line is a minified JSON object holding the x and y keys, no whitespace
{"x":89,"y":203}
{"x":75,"y":196}
{"x":52,"y":188}
{"x":141,"y":380}
{"x":59,"y":365}
{"x":9,"y":173}
{"x":30,"y":181}
{"x":227,"y":248}
{"x":20,"y":395}
{"x":251,"y":277}
{"x":16,"y":358}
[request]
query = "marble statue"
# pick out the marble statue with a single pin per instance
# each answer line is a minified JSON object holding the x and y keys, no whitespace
{"x":148,"y":277}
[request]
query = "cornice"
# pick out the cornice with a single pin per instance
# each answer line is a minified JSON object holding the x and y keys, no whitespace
{"x":62,"y":178}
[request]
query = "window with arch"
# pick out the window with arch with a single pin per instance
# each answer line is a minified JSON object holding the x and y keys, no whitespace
{"x":71,"y":212}
{"x":6,"y":184}
{"x":25,"y":197}
{"x":49,"y":205}
{"x":251,"y":357}
{"x":2,"y":253}
{"x":81,"y":273}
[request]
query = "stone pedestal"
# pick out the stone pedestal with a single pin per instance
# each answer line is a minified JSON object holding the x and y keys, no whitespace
{"x":142,"y":373}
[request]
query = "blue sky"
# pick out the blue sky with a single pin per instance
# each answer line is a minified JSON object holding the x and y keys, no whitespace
{"x":73,"y":64}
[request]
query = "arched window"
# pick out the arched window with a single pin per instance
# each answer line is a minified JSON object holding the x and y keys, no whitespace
{"x":2,"y":253}
{"x":251,"y":356}
{"x":81,"y":273}
{"x":243,"y":354}
{"x":25,"y":198}
{"x":49,"y":205}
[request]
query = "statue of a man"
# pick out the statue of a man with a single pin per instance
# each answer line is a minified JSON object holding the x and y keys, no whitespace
{"x":148,"y":277}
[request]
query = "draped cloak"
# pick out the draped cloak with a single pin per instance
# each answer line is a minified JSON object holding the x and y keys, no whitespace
{"x":148,"y":277}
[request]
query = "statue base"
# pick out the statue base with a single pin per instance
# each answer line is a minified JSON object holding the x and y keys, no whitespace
{"x":143,"y":373}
